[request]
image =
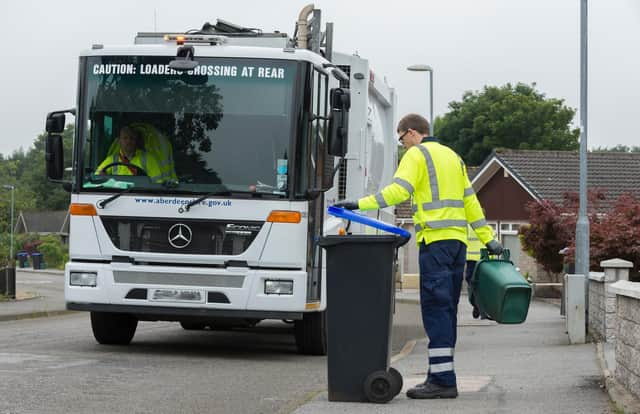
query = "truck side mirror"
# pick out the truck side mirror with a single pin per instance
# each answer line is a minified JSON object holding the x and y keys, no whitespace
{"x":340,"y":99}
{"x":55,"y":123}
{"x":54,"y":156}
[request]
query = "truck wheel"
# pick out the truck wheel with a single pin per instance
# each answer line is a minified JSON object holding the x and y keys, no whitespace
{"x":113,"y":328}
{"x":192,"y":326}
{"x":311,"y":334}
{"x":379,"y":387}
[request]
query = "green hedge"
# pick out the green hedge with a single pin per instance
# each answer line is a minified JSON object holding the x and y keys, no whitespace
{"x":53,"y":251}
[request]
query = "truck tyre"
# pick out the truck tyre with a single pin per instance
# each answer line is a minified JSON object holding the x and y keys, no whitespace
{"x":113,"y":328}
{"x":192,"y":326}
{"x":311,"y":334}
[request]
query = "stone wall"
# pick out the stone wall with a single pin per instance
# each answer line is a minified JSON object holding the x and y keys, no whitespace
{"x":602,"y":300}
{"x":596,"y":306}
{"x":628,"y":335}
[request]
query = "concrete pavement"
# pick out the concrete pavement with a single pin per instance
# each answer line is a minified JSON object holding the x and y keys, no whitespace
{"x":527,"y":368}
{"x":40,"y":293}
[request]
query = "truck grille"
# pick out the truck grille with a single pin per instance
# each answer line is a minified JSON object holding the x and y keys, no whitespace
{"x":211,"y":237}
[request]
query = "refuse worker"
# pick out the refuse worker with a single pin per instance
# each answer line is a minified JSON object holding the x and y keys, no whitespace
{"x":443,"y":202}
{"x":130,"y":157}
{"x":473,"y":257}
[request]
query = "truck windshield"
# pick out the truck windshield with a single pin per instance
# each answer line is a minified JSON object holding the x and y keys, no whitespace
{"x":227,"y":125}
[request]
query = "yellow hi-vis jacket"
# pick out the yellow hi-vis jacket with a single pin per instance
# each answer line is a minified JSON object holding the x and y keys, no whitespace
{"x":141,"y":159}
{"x":473,"y":246}
{"x":160,"y":147}
{"x":156,"y":145}
{"x":442,"y":197}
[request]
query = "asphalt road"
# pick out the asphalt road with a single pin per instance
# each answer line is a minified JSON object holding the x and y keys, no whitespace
{"x":53,"y":365}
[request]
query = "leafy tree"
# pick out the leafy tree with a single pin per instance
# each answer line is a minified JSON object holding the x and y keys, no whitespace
{"x":26,"y":171}
{"x":55,"y":254}
{"x":517,"y":117}
{"x":616,"y":235}
{"x":613,"y":233}
{"x":33,"y":175}
{"x":23,"y":195}
{"x":617,"y":148}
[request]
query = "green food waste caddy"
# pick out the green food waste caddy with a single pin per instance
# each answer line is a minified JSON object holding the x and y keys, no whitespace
{"x":501,"y":292}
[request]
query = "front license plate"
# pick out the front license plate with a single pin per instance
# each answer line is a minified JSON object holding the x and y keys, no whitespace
{"x":178,"y":295}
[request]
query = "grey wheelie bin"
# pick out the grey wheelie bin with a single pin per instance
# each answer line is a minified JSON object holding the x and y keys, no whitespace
{"x":360,"y":302}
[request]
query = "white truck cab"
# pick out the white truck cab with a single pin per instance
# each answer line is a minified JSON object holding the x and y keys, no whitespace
{"x":243,"y":139}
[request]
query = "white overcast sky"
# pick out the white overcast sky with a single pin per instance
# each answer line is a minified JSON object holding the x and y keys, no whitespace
{"x":469,"y":43}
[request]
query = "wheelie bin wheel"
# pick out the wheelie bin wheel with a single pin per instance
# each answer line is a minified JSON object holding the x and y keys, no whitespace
{"x":397,"y":380}
{"x":379,"y":387}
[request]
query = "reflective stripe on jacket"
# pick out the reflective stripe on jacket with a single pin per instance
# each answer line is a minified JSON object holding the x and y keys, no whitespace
{"x":473,"y":246}
{"x":442,"y":197}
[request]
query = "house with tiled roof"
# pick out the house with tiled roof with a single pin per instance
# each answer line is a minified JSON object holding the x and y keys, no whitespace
{"x":44,"y":222}
{"x":509,"y":179}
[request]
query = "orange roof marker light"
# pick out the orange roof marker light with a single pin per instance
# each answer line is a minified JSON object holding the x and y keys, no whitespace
{"x":284,"y":216}
{"x":181,"y":39}
{"x":77,"y":209}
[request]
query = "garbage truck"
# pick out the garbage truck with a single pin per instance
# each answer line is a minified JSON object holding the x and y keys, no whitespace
{"x":241,"y":138}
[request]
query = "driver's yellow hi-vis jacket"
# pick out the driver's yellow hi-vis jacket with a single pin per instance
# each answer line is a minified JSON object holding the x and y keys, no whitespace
{"x":141,"y":159}
{"x":443,"y":200}
{"x":158,"y":145}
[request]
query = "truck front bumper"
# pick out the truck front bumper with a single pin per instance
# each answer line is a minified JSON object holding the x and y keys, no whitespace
{"x":199,"y":291}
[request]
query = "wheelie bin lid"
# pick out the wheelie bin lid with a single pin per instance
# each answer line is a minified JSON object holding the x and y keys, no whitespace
{"x":359,"y":218}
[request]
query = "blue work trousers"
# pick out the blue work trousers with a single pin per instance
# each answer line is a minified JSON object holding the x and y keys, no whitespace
{"x":441,"y":273}
{"x":468,"y":276}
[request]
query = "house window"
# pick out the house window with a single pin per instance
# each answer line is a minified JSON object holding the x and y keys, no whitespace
{"x":508,"y":235}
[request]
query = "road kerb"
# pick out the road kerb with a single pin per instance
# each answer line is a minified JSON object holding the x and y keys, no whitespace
{"x":33,"y":315}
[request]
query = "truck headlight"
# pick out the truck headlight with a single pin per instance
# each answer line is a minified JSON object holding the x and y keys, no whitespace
{"x":89,"y":279}
{"x":278,"y":287}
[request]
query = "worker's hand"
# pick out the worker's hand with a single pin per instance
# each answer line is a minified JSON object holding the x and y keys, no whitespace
{"x":347,"y":205}
{"x":495,"y":247}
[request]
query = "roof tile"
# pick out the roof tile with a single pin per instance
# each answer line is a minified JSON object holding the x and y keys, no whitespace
{"x":551,"y":174}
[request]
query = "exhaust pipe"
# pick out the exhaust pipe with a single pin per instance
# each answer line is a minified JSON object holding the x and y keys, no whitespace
{"x":303,"y":23}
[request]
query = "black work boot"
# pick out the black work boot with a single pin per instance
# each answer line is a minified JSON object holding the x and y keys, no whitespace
{"x":431,"y":390}
{"x":476,"y":313}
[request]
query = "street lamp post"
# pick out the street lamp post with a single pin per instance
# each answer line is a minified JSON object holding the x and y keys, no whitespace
{"x":12,"y":188}
{"x":426,"y":68}
{"x":10,"y":272}
{"x":582,"y":225}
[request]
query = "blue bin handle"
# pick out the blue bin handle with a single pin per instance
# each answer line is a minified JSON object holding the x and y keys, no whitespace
{"x":359,"y":218}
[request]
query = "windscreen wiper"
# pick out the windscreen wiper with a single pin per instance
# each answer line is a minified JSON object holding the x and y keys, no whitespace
{"x":103,"y":203}
{"x":203,"y":197}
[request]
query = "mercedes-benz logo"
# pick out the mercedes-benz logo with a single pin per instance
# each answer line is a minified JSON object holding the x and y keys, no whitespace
{"x":179,"y":235}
